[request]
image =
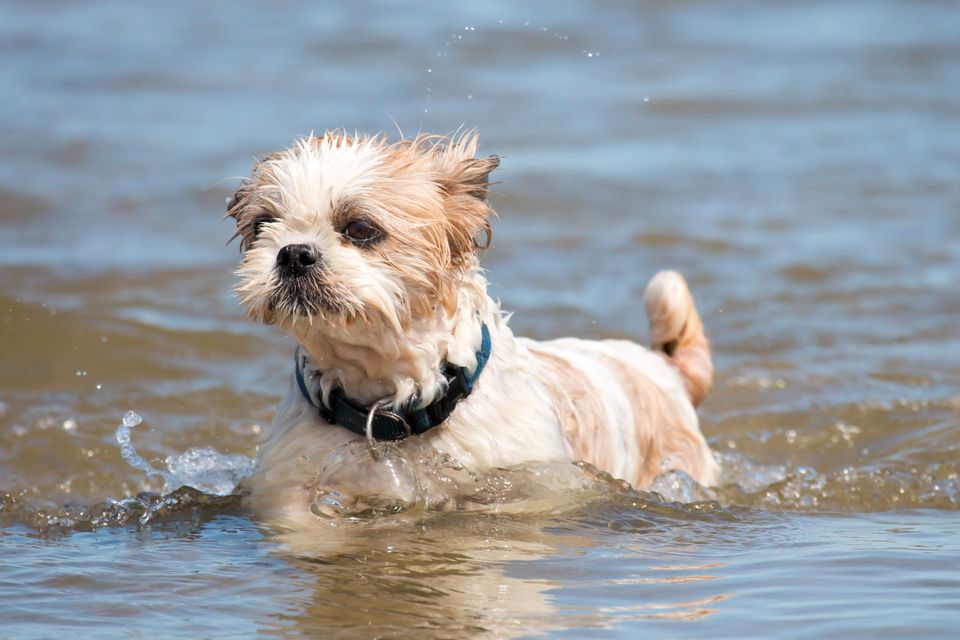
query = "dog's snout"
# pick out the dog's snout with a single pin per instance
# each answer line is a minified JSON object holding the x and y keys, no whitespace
{"x":294,"y":260}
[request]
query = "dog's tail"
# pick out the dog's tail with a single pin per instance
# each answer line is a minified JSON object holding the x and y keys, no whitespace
{"x":677,"y":331}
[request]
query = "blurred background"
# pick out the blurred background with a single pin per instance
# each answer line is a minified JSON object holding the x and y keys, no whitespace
{"x":797,"y":161}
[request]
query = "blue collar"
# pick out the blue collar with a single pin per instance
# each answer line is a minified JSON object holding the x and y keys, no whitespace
{"x":379,"y":422}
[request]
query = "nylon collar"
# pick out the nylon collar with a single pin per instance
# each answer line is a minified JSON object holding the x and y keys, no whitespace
{"x":382,"y":422}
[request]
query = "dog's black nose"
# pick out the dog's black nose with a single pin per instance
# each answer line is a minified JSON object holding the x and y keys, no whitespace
{"x":294,"y":260}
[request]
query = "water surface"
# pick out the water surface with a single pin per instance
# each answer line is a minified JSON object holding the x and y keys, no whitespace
{"x":795,"y":162}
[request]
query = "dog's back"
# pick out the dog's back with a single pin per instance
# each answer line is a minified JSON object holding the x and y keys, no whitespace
{"x":629,"y":410}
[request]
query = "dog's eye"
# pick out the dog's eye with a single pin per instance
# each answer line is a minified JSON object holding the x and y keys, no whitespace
{"x":362,"y":232}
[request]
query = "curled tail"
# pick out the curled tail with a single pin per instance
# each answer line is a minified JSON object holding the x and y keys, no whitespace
{"x":677,"y":331}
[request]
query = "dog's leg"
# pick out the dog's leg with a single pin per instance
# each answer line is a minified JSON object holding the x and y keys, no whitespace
{"x":677,"y":332}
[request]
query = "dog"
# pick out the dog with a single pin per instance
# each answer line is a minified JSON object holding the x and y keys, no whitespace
{"x":365,"y":252}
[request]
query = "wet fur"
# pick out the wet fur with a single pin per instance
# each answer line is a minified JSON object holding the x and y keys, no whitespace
{"x":380,"y":321}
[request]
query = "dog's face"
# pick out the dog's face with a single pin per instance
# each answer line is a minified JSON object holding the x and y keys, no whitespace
{"x":351,"y":235}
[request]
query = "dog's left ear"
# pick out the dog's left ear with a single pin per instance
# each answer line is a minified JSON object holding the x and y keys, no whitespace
{"x":472,"y":177}
{"x":459,"y":170}
{"x":466,"y":181}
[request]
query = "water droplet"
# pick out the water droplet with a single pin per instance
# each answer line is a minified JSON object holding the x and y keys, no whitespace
{"x":81,"y":373}
{"x":69,"y":425}
{"x":469,"y":96}
{"x":131,"y":419}
{"x":646,"y":98}
{"x":99,"y":386}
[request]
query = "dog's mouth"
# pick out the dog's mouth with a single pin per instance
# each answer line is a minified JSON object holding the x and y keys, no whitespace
{"x":302,"y":286}
{"x":306,"y":295}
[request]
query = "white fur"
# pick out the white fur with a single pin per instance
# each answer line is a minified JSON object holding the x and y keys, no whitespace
{"x":382,"y":348}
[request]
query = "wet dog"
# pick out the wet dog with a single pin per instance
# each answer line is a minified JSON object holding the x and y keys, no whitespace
{"x":365,"y":252}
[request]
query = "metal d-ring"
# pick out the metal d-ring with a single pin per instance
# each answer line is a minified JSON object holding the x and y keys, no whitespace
{"x":378,"y":410}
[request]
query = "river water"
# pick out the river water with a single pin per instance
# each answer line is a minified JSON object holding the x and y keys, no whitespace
{"x":797,"y":161}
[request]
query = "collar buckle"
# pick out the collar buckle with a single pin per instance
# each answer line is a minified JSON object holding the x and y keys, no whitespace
{"x":378,"y":409}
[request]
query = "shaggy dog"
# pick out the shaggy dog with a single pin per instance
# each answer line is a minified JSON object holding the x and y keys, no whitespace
{"x":365,"y":252}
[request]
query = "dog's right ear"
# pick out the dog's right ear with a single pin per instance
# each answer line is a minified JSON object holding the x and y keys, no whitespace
{"x":242,"y":197}
{"x":234,"y":202}
{"x":235,"y":205}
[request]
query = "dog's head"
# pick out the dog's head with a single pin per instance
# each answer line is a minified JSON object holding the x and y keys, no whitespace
{"x":354,"y":235}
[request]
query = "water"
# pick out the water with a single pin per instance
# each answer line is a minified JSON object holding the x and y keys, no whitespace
{"x":796,"y":162}
{"x":201,"y":468}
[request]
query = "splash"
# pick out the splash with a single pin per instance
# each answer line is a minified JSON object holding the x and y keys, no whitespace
{"x":201,"y":468}
{"x":200,"y":482}
{"x":127,"y":451}
{"x":416,"y":478}
{"x":141,"y":509}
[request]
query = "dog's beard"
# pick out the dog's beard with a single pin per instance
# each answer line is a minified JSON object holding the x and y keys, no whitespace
{"x":318,"y":301}
{"x":305,"y":296}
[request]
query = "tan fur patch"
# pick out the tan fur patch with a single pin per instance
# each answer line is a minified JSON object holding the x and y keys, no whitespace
{"x":579,"y":407}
